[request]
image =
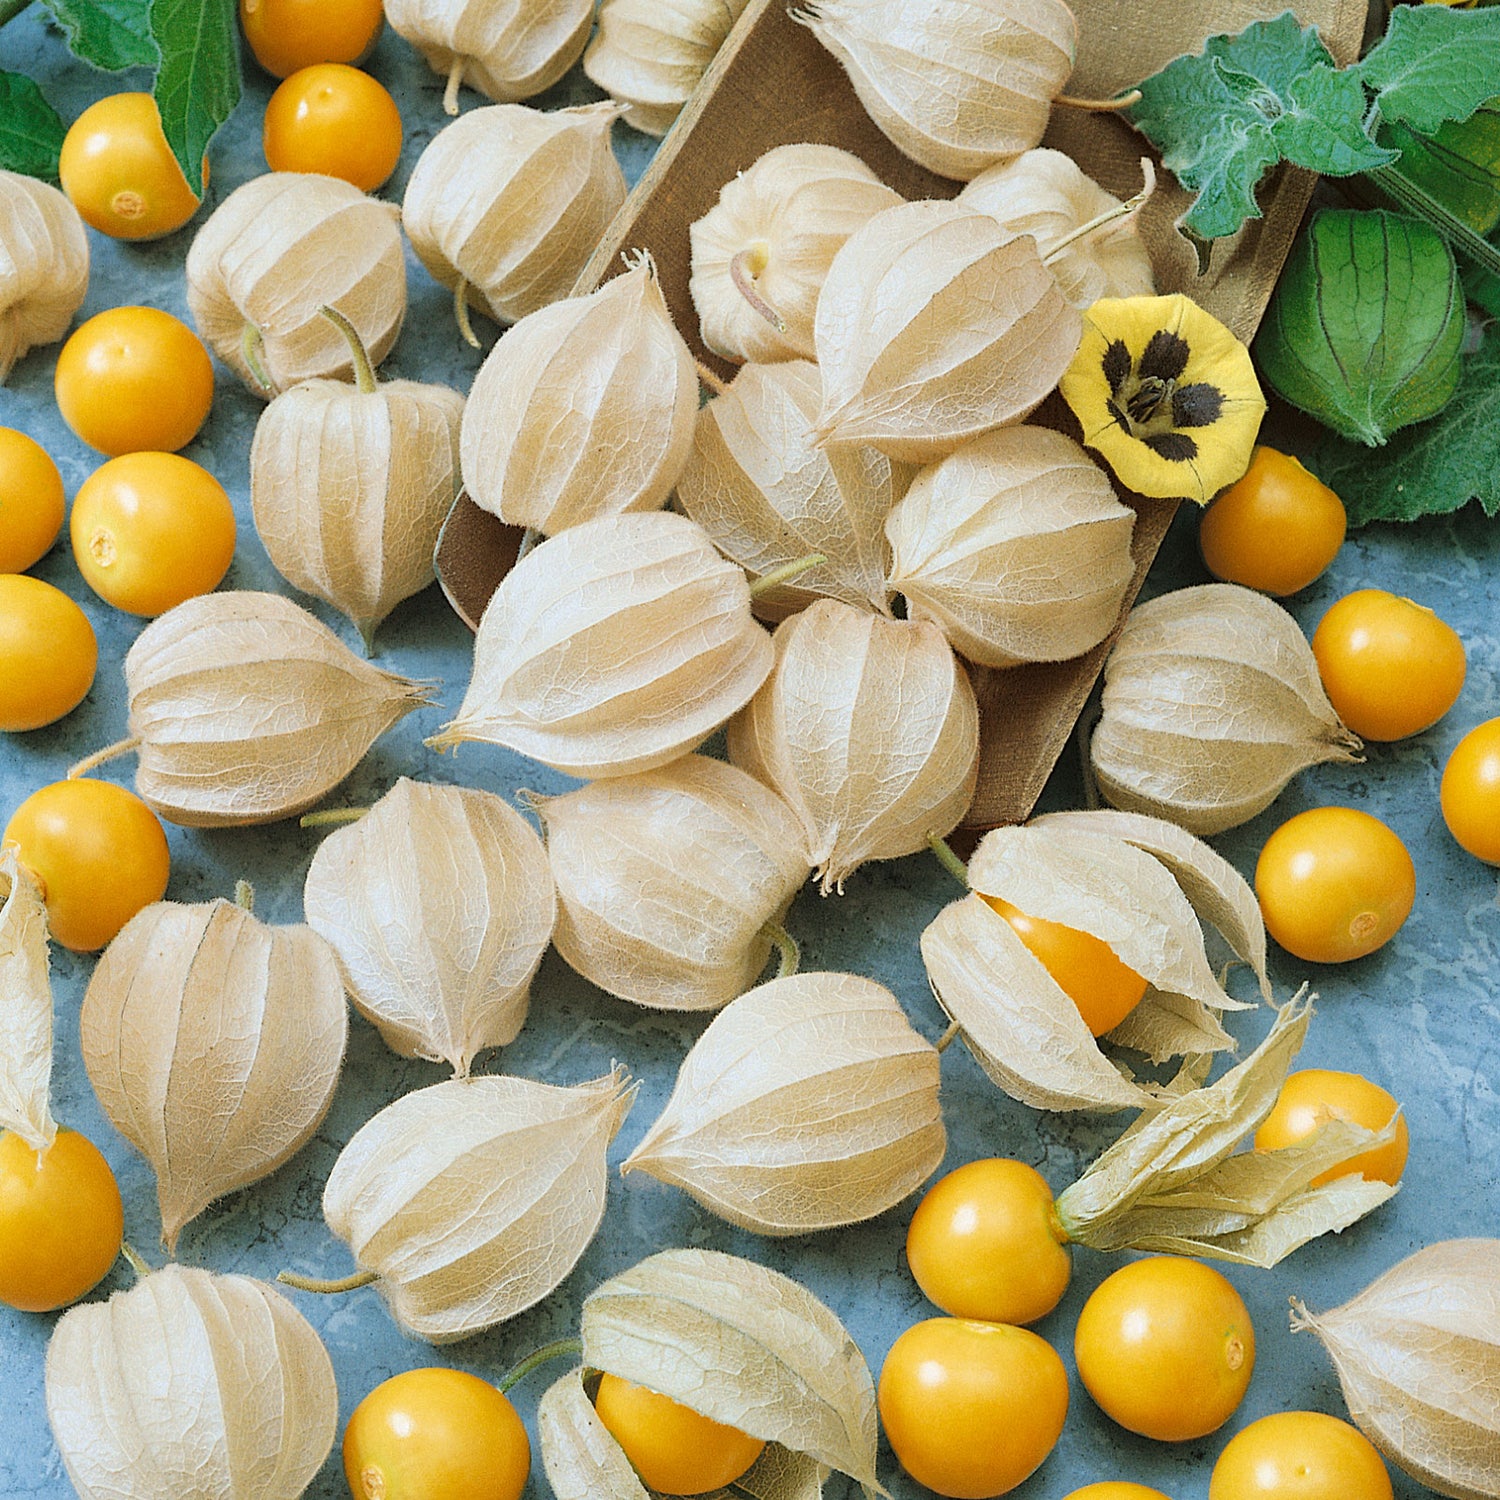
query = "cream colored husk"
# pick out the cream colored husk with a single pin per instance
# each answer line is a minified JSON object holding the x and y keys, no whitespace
{"x":44,"y":266}
{"x":25,"y":1007}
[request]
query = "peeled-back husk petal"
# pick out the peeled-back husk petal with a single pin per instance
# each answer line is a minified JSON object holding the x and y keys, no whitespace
{"x":868,"y":729}
{"x":614,"y":647}
{"x":934,"y":325}
{"x":438,"y":906}
{"x":1211,"y":704}
{"x":1016,"y":546}
{"x":276,"y":250}
{"x":471,"y":1200}
{"x":767,"y":496}
{"x":248,"y":709}
{"x":583,"y":410}
{"x":25,"y":1007}
{"x":513,"y":201}
{"x":809,"y":1103}
{"x":667,"y":880}
{"x":214,"y":1044}
{"x":44,"y":266}
{"x":1418,"y":1357}
{"x":190,"y":1384}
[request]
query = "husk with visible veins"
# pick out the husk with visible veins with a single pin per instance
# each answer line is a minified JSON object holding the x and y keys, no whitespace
{"x":25,"y":1007}
{"x":776,"y":228}
{"x":214,"y":1044}
{"x":276,"y":250}
{"x":767,"y":496}
{"x":44,"y":266}
{"x":248,"y":709}
{"x":512,"y":202}
{"x":743,"y":1345}
{"x":935,"y":325}
{"x":471,"y":1200}
{"x":1016,"y":546}
{"x":190,"y":1384}
{"x":614,"y":647}
{"x":438,"y":906}
{"x":1211,"y":704}
{"x":667,"y":880}
{"x":868,"y":729}
{"x":1418,"y":1357}
{"x":809,"y":1103}
{"x":583,"y":410}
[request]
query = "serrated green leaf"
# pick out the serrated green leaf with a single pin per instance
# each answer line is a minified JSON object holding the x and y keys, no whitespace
{"x":111,"y":34}
{"x":198,"y":84}
{"x":1434,"y":64}
{"x":31,"y":131}
{"x":1324,"y":127}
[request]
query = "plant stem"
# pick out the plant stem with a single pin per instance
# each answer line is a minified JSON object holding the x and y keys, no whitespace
{"x":558,"y":1350}
{"x":708,"y":378}
{"x":330,"y":816}
{"x":461,"y":312}
{"x":90,"y":762}
{"x":455,"y":78}
{"x":134,"y":1259}
{"x":1120,"y":211}
{"x":948,"y":859}
{"x":531,"y":539}
{"x":327,"y":1288}
{"x":244,"y":896}
{"x":252,"y":346}
{"x":744,"y":283}
{"x":10,"y":9}
{"x":948,"y":1038}
{"x":364,"y":371}
{"x":785,"y":573}
{"x":790,"y":953}
{"x":1100,"y":106}
{"x":1416,"y":200}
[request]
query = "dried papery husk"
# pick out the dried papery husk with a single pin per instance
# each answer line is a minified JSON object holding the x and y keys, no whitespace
{"x":438,"y":905}
{"x":933,"y":326}
{"x":44,"y":266}
{"x":809,"y":1103}
{"x":214,"y":1044}
{"x":583,"y":410}
{"x":25,"y":1007}
{"x":615,"y":647}
{"x":1418,"y":1356}
{"x":508,"y":203}
{"x":276,"y":250}
{"x":868,"y":729}
{"x":743,"y":1345}
{"x":1046,"y":194}
{"x":246,"y":709}
{"x":766,"y":496}
{"x":760,"y":255}
{"x":1212,"y":703}
{"x":1016,"y":546}
{"x":957,"y":85}
{"x":472,"y":1200}
{"x":667,"y":880}
{"x":190,"y":1386}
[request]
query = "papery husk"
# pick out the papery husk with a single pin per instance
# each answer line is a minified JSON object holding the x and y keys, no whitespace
{"x":247,"y":709}
{"x":1418,"y":1357}
{"x":650,"y":54}
{"x":809,"y":1103}
{"x":190,"y":1386}
{"x":767,"y":496}
{"x":473,"y":1199}
{"x":1046,"y":194}
{"x":667,"y":880}
{"x":438,"y":906}
{"x":583,"y":410}
{"x":1212,"y":703}
{"x":868,"y":729}
{"x":957,"y":85}
{"x":743,"y":1345}
{"x":214,"y":1044}
{"x":276,"y":250}
{"x":512,"y":201}
{"x":25,"y":1007}
{"x":1016,"y":546}
{"x":776,"y":228}
{"x":935,"y":325}
{"x":615,"y":647}
{"x":44,"y":266}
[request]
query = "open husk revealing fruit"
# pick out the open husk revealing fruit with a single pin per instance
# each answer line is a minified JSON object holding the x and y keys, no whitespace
{"x":809,"y":1103}
{"x":438,"y":905}
{"x":668,"y":881}
{"x":214,"y":1044}
{"x":471,"y":1200}
{"x":1212,"y":703}
{"x":1418,"y":1356}
{"x":44,"y":266}
{"x":614,"y":647}
{"x":25,"y":1008}
{"x":190,"y":1386}
{"x":868,"y":729}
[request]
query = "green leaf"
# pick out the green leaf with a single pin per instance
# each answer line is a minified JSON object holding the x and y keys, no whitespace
{"x":1434,"y":64}
{"x":1324,"y":129}
{"x":198,"y":85}
{"x":111,"y":34}
{"x":31,"y":131}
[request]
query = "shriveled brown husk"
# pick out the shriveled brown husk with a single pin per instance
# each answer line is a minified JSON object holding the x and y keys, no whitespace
{"x":44,"y":266}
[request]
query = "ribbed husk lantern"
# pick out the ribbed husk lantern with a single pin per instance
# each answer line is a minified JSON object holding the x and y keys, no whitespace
{"x":44,"y":266}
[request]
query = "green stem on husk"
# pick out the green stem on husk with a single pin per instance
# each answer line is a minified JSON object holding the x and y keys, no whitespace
{"x":948,"y":859}
{"x":134,"y":1259}
{"x":948,"y":1038}
{"x":244,"y":896}
{"x":327,"y":1288}
{"x":331,"y":816}
{"x":790,"y":955}
{"x":461,"y":312}
{"x":364,"y":371}
{"x":785,"y":573}
{"x":560,"y":1349}
{"x":92,"y":762}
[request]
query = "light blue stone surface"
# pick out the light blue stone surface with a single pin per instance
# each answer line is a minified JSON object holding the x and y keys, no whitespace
{"x":1421,"y":1016}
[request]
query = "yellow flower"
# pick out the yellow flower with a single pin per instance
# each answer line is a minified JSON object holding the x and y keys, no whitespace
{"x":1165,"y":393}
